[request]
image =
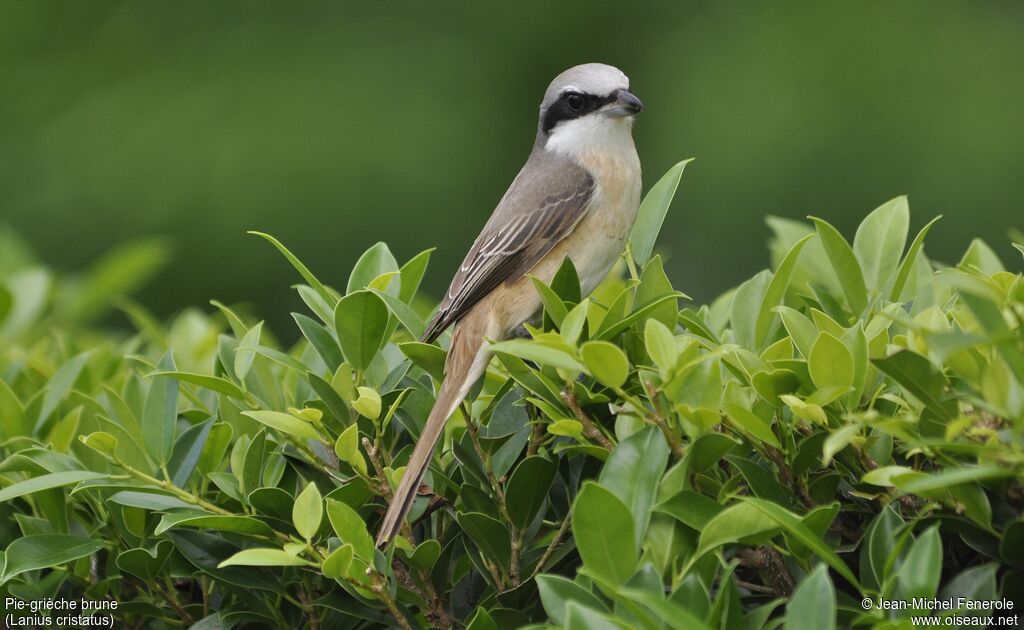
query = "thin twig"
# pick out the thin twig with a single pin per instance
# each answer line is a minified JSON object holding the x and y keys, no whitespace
{"x":499,"y":493}
{"x":590,"y":428}
{"x":551,"y":546}
{"x":378,"y":466}
{"x":670,"y":436}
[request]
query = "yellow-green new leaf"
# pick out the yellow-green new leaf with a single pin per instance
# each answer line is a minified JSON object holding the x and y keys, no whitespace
{"x":368,"y":403}
{"x":308,"y":511}
{"x":830,"y":363}
{"x":337,"y":564}
{"x":350,"y":528}
{"x":606,"y":362}
{"x":285,"y":423}
{"x":265,"y":557}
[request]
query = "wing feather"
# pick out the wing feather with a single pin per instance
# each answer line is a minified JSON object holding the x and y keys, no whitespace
{"x":516,"y":238}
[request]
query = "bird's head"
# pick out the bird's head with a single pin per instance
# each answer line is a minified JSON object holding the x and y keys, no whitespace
{"x":587,"y":108}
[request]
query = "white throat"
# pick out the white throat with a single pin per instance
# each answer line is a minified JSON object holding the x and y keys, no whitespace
{"x":592,"y":134}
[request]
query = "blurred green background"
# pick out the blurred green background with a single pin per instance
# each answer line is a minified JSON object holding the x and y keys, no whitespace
{"x":333,"y":125}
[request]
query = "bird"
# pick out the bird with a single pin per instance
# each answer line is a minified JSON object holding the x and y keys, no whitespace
{"x":576,"y":196}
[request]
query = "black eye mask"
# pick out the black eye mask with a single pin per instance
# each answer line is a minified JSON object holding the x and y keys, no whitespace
{"x":560,"y":110}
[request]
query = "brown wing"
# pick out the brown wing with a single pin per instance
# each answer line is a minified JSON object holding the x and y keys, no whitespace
{"x":538,"y":211}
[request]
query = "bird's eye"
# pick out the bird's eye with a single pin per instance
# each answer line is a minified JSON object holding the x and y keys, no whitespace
{"x":575,"y":101}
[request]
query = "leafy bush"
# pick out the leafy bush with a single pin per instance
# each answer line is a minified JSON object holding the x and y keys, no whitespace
{"x":845,"y":426}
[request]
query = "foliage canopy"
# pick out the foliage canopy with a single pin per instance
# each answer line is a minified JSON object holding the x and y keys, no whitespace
{"x":845,"y":425}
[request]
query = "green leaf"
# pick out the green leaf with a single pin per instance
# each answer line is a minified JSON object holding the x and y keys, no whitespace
{"x":265,"y":557}
{"x":350,"y":528}
{"x":751,"y":423}
{"x":100,"y":441}
{"x":145,"y":563}
{"x":368,"y":403}
{"x":579,"y":617}
{"x":336,"y":565}
{"x":691,"y":509}
{"x":538,"y":353}
{"x":160,"y":414}
{"x":655,"y":285}
{"x":149,"y":500}
{"x":949,"y":477}
{"x":11,"y":410}
{"x":361,"y":320}
{"x":660,"y":344}
{"x":308,"y":512}
{"x":237,"y":524}
{"x":285,"y":423}
{"x":652,"y":213}
{"x":347,"y":448}
{"x":567,"y":427}
{"x":212,"y":383}
{"x":426,"y":356}
{"x":668,"y":612}
{"x":908,"y":261}
{"x":412,"y":273}
{"x":921,"y":570}
{"x":798,"y":530}
{"x":776,"y":291}
{"x":735,"y":523}
{"x":600,"y":524}
{"x":879,"y":241}
{"x":632,"y":472}
{"x":746,"y":303}
{"x":245,"y":353}
{"x":375,"y":262}
{"x":45,"y":550}
{"x":556,"y":592}
{"x":813,"y":604}
{"x":47,"y":481}
{"x":572,"y":326}
{"x":320,"y":338}
{"x":708,"y":450}
{"x":187,"y":450}
{"x":554,"y":307}
{"x":921,"y":378}
{"x":830,"y":363}
{"x":306,"y":274}
{"x":606,"y":362}
{"x":801,"y":330}
{"x":837,"y":441}
{"x":60,"y":384}
{"x":845,"y":265}
{"x":528,"y":488}
{"x":216,"y":446}
{"x":490,"y":536}
{"x":405,"y":314}
{"x":612,"y":326}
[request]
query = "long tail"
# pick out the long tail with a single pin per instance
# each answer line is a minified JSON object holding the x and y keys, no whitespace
{"x":467,"y":360}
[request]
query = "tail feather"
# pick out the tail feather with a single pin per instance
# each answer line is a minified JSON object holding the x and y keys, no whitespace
{"x":466,"y":362}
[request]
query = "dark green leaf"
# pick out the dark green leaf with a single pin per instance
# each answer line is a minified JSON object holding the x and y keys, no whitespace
{"x":528,"y":488}
{"x":490,"y":536}
{"x":45,"y":550}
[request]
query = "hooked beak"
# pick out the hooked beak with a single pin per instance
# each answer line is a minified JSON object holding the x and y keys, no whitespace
{"x":625,"y":104}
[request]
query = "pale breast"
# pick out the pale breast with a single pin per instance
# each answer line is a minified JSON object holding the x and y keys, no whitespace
{"x":593,"y":246}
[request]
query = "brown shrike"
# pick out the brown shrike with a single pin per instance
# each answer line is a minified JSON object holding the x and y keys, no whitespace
{"x":577,"y":197}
